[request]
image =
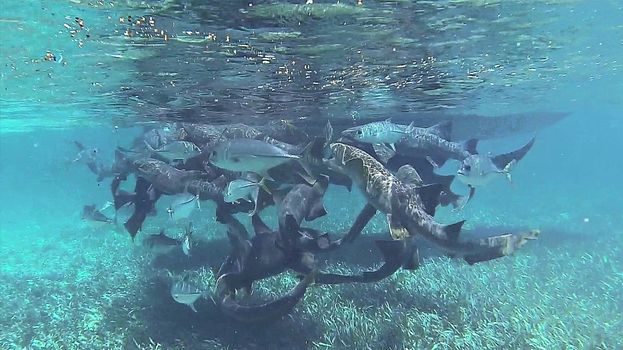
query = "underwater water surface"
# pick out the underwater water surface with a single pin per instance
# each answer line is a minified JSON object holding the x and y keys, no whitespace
{"x":107,"y":73}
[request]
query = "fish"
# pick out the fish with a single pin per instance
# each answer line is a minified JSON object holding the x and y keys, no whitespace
{"x":185,"y":292}
{"x":246,"y":155}
{"x":479,"y":170}
{"x":183,"y":205}
{"x":409,"y":208}
{"x":164,"y":177}
{"x":268,"y":311}
{"x":244,"y":189}
{"x":265,"y":255}
{"x":464,"y":126}
{"x":388,"y":194}
{"x":434,"y":148}
{"x":163,"y":244}
{"x":176,"y":150}
{"x":379,"y":133}
{"x":91,"y":213}
{"x":302,"y":202}
{"x":408,"y":174}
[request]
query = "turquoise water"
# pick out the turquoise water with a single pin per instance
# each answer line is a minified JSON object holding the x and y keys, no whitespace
{"x":69,"y":284}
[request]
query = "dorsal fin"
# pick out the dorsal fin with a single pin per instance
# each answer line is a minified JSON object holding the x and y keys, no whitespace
{"x":470,"y":146}
{"x":443,"y":129}
{"x":258,"y":225}
{"x":429,"y":194}
{"x":408,"y":174}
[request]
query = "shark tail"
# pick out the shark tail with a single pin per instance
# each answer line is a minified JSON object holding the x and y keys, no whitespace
{"x":452,"y":231}
{"x":470,"y":146}
{"x":430,"y":196}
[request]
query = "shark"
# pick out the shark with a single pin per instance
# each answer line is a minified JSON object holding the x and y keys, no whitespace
{"x":302,"y":202}
{"x":410,"y":209}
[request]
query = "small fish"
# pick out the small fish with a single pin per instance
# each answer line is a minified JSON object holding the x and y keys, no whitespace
{"x":90,"y":213}
{"x":186,"y":292}
{"x":183,"y":205}
{"x":186,"y":243}
{"x":479,"y":170}
{"x":384,"y":132}
{"x":176,"y":150}
{"x":249,"y":155}
{"x":163,"y":244}
{"x":243,"y":189}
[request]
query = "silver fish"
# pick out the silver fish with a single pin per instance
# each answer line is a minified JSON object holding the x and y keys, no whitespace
{"x":384,"y":132}
{"x":186,"y":292}
{"x":479,"y":170}
{"x":183,"y":205}
{"x":243,"y":189}
{"x":249,"y":155}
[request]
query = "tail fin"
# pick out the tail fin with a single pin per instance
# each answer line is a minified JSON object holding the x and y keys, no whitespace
{"x":259,"y":227}
{"x":503,"y":160}
{"x":392,"y":251}
{"x":452,"y":231}
{"x":135,"y":222}
{"x":470,"y":146}
{"x":411,"y":260}
{"x":430,"y":194}
{"x":122,"y":198}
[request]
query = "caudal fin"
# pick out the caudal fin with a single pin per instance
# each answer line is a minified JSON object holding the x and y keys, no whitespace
{"x":503,"y":160}
{"x":429,"y":194}
{"x":452,"y":231}
{"x":470,"y":146}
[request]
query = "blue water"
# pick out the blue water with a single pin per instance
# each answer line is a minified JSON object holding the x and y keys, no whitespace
{"x":68,"y":284}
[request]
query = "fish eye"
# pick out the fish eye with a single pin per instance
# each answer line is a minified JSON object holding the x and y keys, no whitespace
{"x":467,"y":167}
{"x":360,"y":132}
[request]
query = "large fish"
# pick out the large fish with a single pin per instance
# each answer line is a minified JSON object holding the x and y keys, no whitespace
{"x":383,"y":133}
{"x":464,"y":126}
{"x":268,"y":311}
{"x":249,"y":155}
{"x":302,"y":202}
{"x":382,"y":188}
{"x":409,"y":208}
{"x":164,"y":177}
